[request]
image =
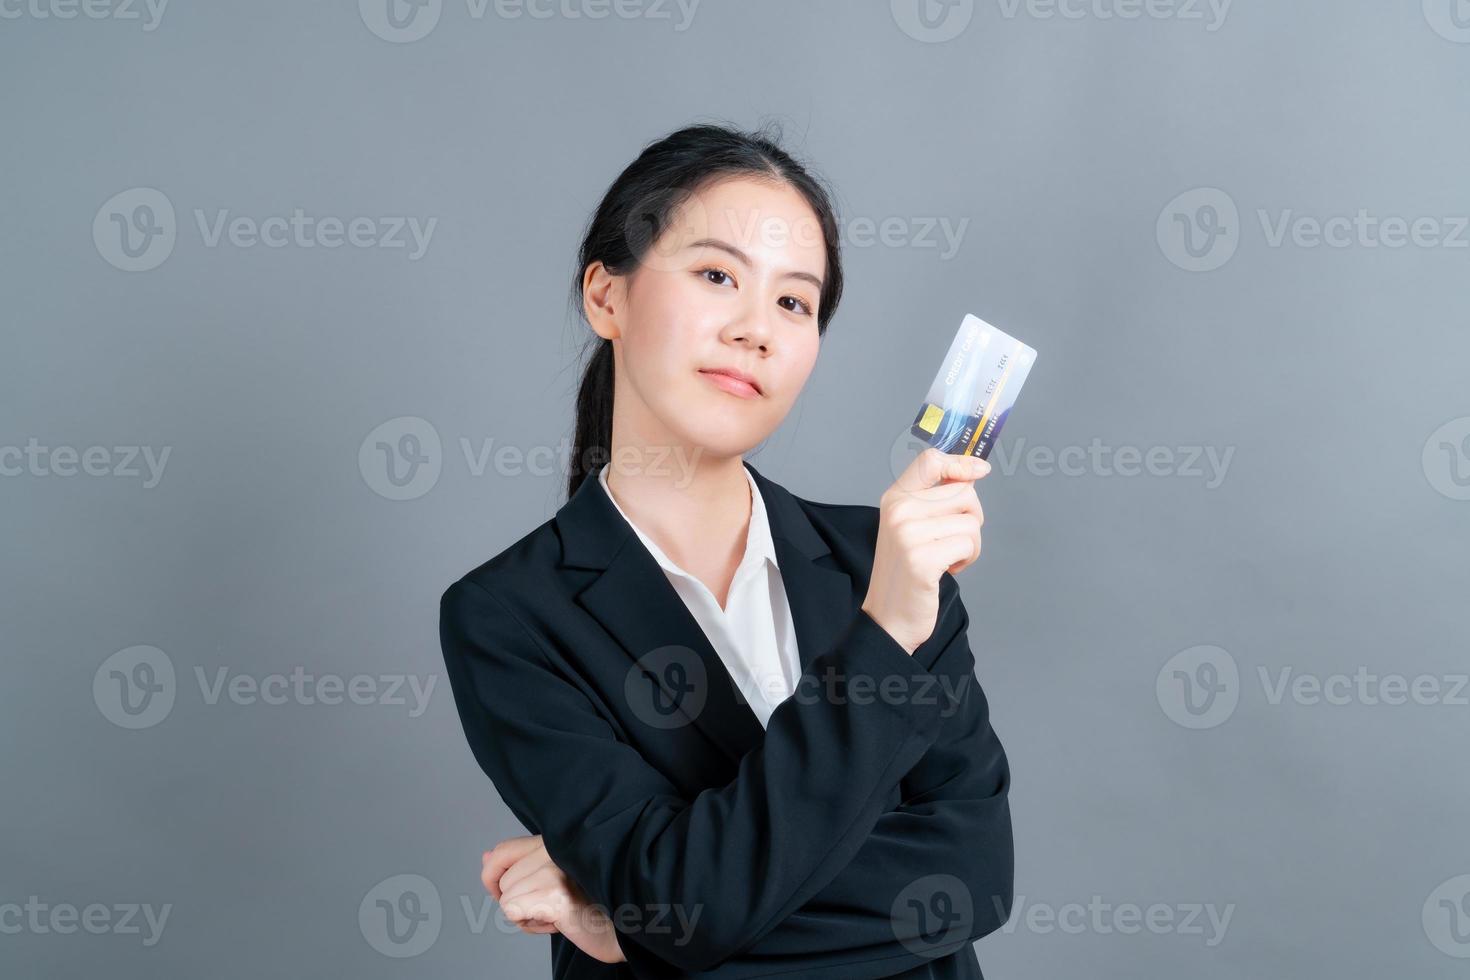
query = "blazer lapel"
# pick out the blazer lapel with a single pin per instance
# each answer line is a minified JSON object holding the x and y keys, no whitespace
{"x":635,"y":602}
{"x":818,"y":590}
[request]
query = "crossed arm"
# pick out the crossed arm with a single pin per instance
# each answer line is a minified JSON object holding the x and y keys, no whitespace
{"x":796,"y":863}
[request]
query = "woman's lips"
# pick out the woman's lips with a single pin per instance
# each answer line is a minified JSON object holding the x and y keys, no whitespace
{"x":734,"y":386}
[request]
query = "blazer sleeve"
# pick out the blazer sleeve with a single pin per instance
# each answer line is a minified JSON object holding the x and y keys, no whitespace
{"x":946,"y":849}
{"x":736,"y":859}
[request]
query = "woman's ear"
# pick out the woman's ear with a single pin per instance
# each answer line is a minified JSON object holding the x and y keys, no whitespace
{"x":602,"y":300}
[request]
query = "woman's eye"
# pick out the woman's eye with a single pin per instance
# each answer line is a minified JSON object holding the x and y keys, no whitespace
{"x":719,"y":277}
{"x":805,"y":307}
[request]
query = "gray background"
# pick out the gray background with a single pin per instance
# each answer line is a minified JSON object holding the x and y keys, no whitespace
{"x":1335,"y":376}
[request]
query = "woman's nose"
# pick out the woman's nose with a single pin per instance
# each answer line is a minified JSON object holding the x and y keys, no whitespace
{"x":754,"y":327}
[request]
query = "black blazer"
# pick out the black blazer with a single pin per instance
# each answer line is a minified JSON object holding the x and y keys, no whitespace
{"x":865,"y":832}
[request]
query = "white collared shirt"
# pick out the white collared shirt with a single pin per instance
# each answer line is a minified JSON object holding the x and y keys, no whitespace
{"x":754,"y":634}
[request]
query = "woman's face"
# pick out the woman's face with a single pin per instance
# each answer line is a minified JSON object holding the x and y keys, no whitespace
{"x":733,"y":283}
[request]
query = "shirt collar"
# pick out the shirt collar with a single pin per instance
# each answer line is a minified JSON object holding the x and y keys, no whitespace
{"x":758,"y":543}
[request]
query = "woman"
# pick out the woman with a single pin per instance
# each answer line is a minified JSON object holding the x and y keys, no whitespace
{"x":742,"y":726}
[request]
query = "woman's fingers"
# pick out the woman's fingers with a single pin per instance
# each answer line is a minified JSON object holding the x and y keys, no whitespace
{"x":947,"y":498}
{"x":933,"y":468}
{"x":951,"y":542}
{"x":938,"y":528}
{"x":490,"y":876}
{"x":946,"y":553}
{"x":965,"y":563}
{"x":529,"y":863}
{"x":496,"y":861}
{"x":532,"y":910}
{"x":539,"y":899}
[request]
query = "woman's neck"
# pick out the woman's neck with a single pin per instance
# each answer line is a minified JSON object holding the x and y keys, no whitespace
{"x":697,"y":512}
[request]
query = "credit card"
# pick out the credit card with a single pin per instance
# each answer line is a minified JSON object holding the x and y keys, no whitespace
{"x":975,"y":389}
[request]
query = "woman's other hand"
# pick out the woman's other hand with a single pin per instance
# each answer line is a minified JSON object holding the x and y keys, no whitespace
{"x":539,"y":898}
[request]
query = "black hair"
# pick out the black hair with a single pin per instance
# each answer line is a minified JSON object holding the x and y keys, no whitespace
{"x":638,"y":207}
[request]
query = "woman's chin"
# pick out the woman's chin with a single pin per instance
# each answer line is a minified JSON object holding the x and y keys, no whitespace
{"x":722,"y":441}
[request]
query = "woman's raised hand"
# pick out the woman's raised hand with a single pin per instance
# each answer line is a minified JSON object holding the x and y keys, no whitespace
{"x":928,"y":524}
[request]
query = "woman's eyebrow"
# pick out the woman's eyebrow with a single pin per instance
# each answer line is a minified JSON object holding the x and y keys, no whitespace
{"x":727,"y":247}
